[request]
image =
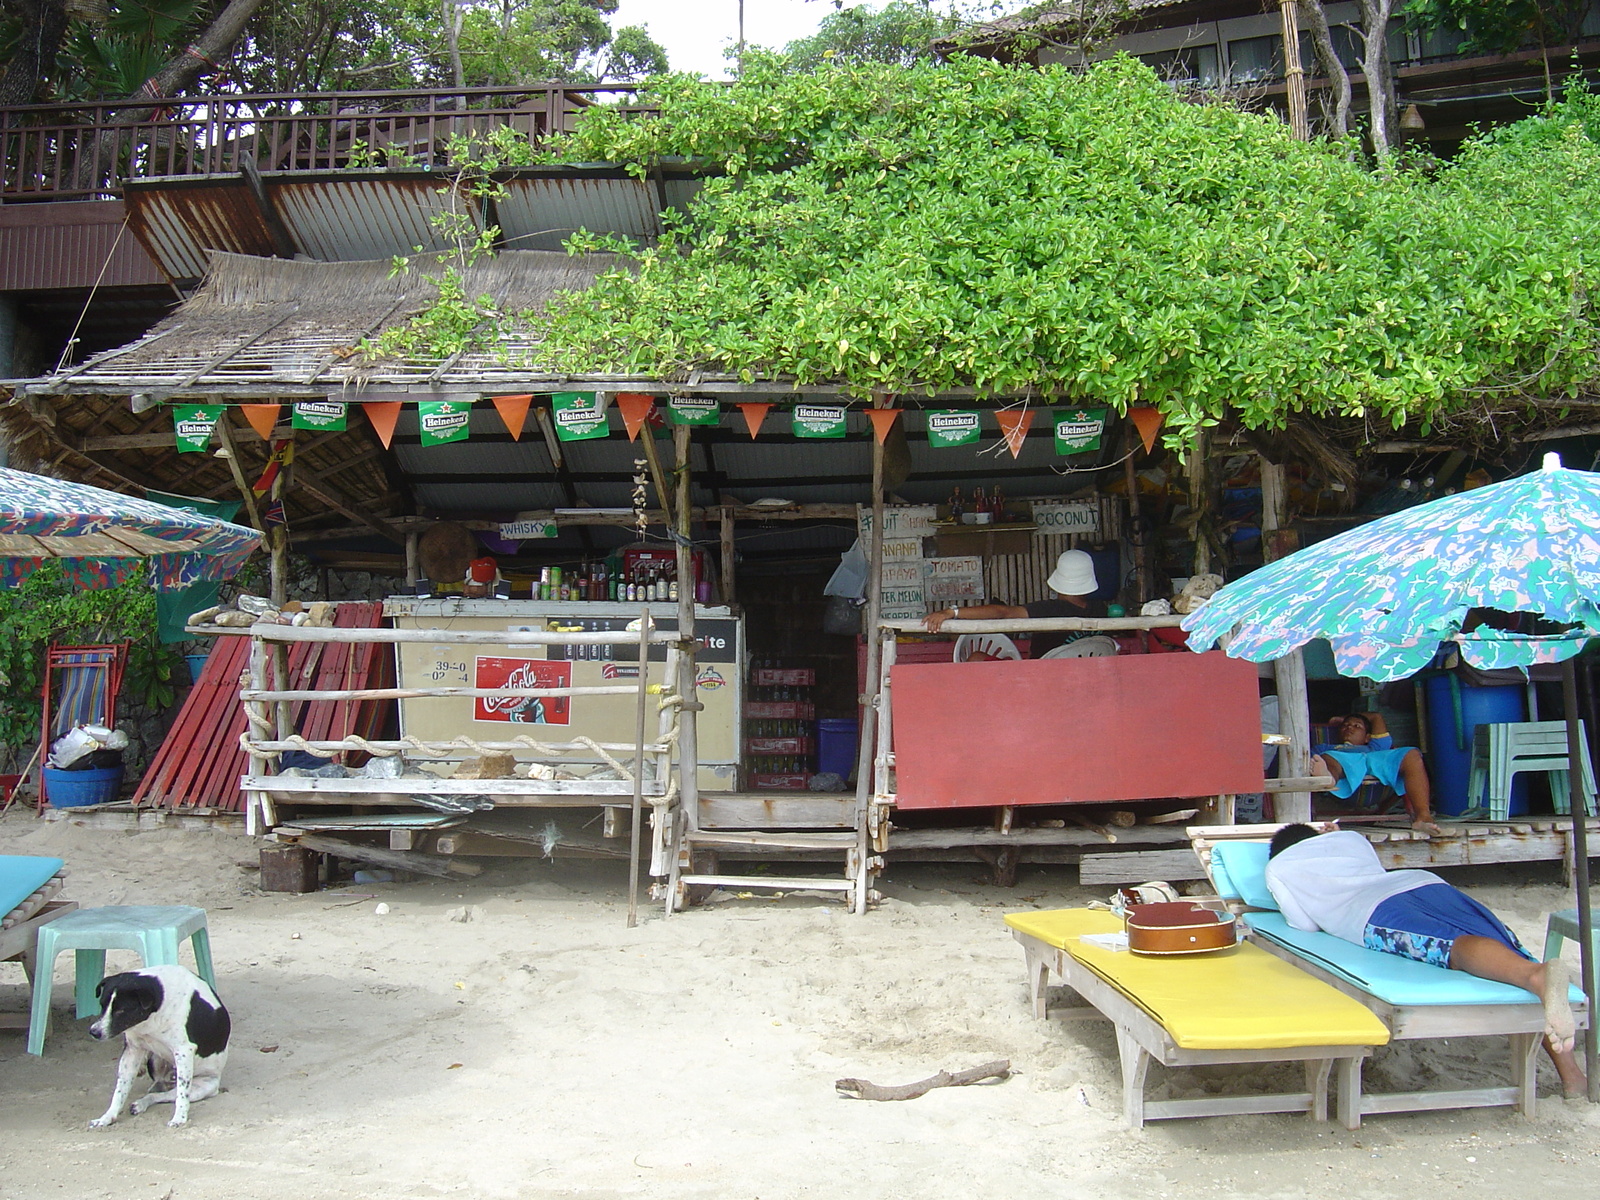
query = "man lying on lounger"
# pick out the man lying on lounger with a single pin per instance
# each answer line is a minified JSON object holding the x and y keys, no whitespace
{"x":1359,"y":754}
{"x":1333,"y":882}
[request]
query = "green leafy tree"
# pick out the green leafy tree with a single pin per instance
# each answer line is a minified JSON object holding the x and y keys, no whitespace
{"x":1092,"y":237}
{"x":569,"y":40}
{"x":900,"y":33}
{"x":1501,"y":26}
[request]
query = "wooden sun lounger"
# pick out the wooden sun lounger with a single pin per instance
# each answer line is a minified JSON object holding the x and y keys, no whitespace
{"x":1237,"y":1006}
{"x":1414,"y":1001}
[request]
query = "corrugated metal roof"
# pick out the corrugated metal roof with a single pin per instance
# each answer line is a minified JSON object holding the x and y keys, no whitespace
{"x":336,"y":220}
{"x":178,"y":225}
{"x":45,"y":246}
{"x":349,"y":216}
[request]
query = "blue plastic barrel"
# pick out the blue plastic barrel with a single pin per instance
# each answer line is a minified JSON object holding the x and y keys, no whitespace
{"x":1450,"y":740}
{"x":836,"y":746}
{"x":197,"y":664}
{"x":75,"y":789}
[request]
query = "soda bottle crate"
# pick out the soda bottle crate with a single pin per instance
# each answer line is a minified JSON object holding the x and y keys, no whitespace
{"x":784,"y":677}
{"x":780,"y":710}
{"x":796,"y":782}
{"x":780,"y":745}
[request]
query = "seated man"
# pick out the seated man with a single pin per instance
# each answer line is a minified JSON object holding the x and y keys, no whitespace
{"x":1333,"y":882}
{"x":1074,"y":584}
{"x":1360,"y":754}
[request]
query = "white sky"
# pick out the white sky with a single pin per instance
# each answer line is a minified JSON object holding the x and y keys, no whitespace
{"x":694,"y":33}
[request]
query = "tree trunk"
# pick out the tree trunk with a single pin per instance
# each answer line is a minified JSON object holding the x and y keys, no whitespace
{"x":1375,"y":65}
{"x":43,"y":26}
{"x":203,"y":52}
{"x":1328,"y":62}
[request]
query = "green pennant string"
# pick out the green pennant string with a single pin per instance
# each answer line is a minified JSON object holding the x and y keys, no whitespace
{"x":326,"y":415}
{"x":694,"y":410}
{"x":443,"y":421}
{"x":193,"y":424}
{"x":579,"y":416}
{"x":818,"y":420}
{"x":1079,"y":429}
{"x":952,"y":427}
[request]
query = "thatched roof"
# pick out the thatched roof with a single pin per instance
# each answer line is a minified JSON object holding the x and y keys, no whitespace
{"x":288,"y":328}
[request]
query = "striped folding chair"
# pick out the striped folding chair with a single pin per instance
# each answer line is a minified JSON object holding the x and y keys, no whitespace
{"x":81,"y":684}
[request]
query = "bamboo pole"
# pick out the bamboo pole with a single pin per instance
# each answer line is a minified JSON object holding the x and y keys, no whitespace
{"x":1141,"y":572}
{"x":866,"y":721}
{"x":1041,"y":624}
{"x":458,"y":637}
{"x":729,"y":590}
{"x":1196,"y":468}
{"x":1579,"y":800}
{"x":287,"y":696}
{"x":443,"y":748}
{"x":1294,"y":75}
{"x":638,"y":766}
{"x":1289,"y":672}
{"x":260,"y":762}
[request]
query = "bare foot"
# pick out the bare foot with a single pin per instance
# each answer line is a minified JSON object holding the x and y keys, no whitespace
{"x":1559,"y":1027}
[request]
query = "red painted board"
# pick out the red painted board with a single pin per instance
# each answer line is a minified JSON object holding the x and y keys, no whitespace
{"x":1075,"y":730}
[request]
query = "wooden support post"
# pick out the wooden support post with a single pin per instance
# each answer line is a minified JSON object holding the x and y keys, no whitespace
{"x":729,"y":591}
{"x":868,"y":720}
{"x":413,"y":559}
{"x":688,"y":742}
{"x":1196,"y":469}
{"x":1138,"y":538}
{"x":1294,"y":717}
{"x":1294,"y":711}
{"x":231,"y":447}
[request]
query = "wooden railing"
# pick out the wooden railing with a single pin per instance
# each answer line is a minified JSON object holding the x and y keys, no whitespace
{"x":82,"y":151}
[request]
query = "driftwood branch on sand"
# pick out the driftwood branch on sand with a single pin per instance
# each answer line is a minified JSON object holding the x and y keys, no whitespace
{"x":860,"y":1089}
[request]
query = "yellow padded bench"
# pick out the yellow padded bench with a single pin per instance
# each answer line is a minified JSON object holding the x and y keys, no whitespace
{"x":1236,"y":1006}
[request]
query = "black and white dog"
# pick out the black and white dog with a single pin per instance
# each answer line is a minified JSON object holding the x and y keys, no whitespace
{"x":174,"y":1027}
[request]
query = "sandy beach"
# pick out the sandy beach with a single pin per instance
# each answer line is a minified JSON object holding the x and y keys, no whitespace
{"x":539,"y":1048}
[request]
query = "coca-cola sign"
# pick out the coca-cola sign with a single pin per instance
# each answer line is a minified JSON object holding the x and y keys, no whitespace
{"x":523,"y":674}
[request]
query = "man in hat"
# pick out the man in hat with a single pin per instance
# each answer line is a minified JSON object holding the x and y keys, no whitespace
{"x":1074,"y":583}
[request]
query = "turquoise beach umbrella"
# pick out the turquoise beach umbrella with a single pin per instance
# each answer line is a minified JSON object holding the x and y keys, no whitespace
{"x":1386,"y":594}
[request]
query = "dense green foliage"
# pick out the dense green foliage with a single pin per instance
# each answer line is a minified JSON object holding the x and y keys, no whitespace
{"x":1501,"y":26}
{"x":1096,"y":237}
{"x":46,"y":608}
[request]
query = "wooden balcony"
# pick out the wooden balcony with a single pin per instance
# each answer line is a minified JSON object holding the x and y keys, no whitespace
{"x":87,"y":151}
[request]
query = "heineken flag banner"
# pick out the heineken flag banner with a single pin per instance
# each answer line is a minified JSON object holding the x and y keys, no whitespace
{"x":579,"y":416}
{"x":819,"y":420}
{"x":319,"y":414}
{"x":694,"y":410}
{"x":1079,"y":429}
{"x":443,"y":421}
{"x":952,"y":427}
{"x":193,"y":424}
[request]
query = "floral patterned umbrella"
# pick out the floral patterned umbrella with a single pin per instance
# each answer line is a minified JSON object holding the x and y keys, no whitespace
{"x":104,"y":538}
{"x":1387,"y":593}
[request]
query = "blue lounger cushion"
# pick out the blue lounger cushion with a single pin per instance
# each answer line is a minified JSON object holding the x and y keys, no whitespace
{"x":1239,"y":869}
{"x":21,"y":875}
{"x":1396,"y":980}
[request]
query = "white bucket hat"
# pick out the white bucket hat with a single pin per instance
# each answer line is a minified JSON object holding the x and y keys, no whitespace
{"x":1074,"y":575}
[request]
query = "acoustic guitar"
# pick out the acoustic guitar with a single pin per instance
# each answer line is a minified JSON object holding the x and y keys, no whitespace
{"x":1184,"y":927}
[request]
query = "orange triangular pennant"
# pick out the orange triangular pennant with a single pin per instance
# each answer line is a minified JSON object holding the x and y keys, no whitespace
{"x":263,"y":418}
{"x":513,"y":411}
{"x":883,"y":420}
{"x":1148,"y":422}
{"x":635,"y":409}
{"x":754,"y":414}
{"x":383,"y":414}
{"x":1014,"y":424}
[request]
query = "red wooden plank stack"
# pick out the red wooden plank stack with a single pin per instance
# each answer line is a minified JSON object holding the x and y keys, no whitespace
{"x":199,"y":763}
